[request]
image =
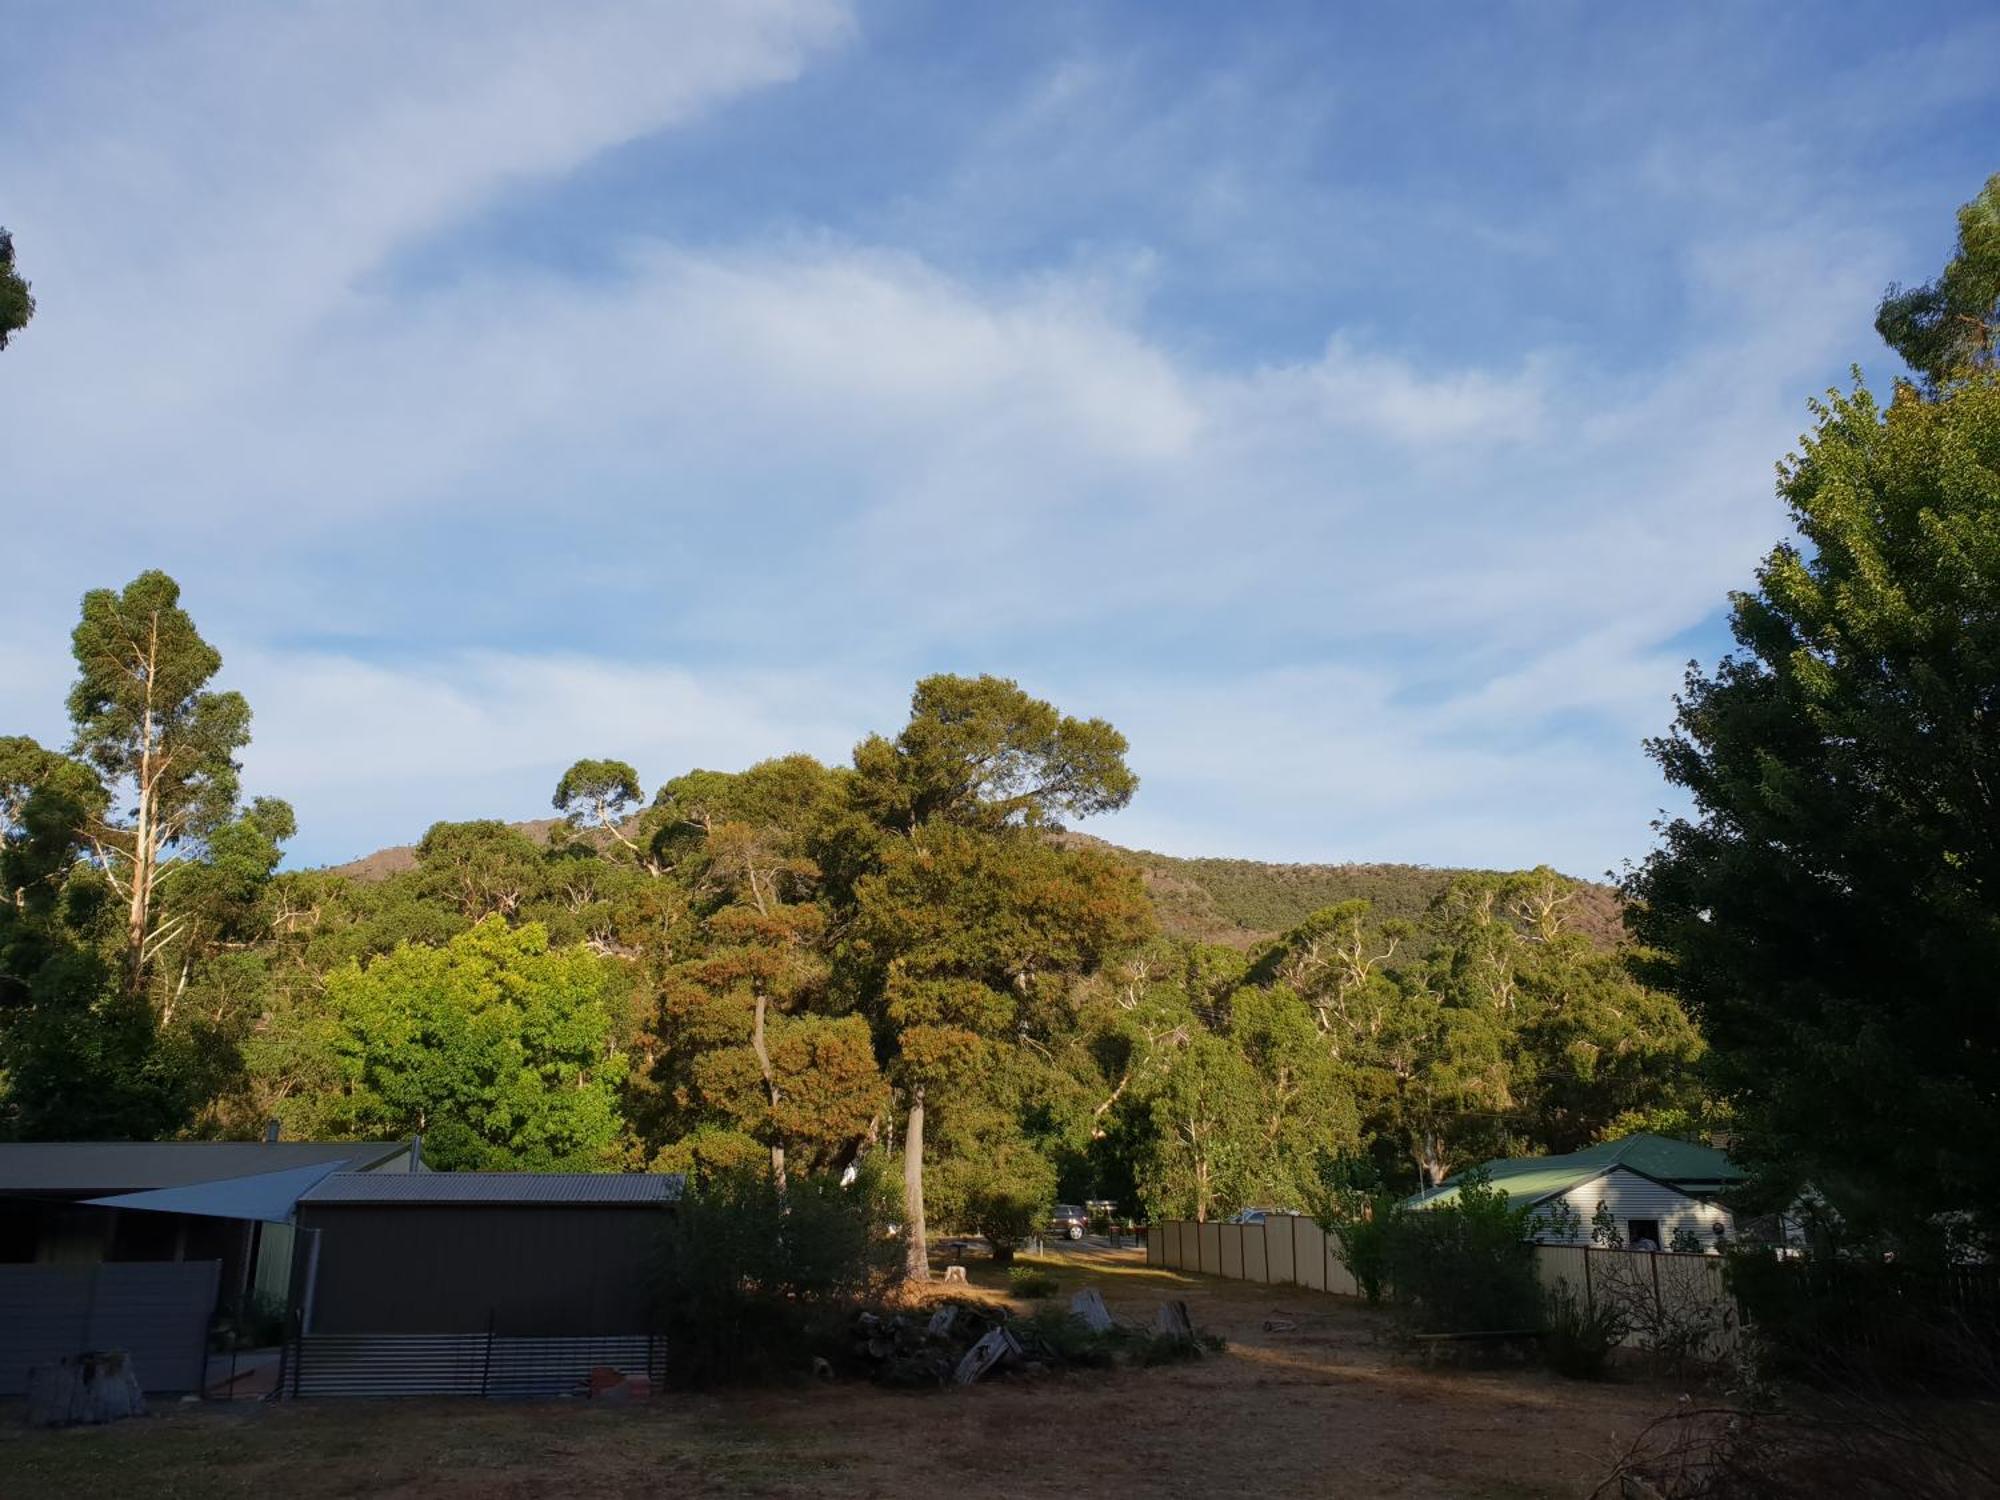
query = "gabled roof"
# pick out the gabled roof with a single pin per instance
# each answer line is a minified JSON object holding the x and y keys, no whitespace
{"x":1691,"y":1169}
{"x":96,"y":1168}
{"x":497,"y":1189}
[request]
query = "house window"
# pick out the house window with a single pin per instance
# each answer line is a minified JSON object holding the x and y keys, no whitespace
{"x":1642,"y":1234}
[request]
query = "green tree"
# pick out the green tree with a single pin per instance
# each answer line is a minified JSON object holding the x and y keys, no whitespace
{"x":1304,"y":1105}
{"x":1830,"y":912}
{"x":599,"y":797}
{"x":981,"y":753}
{"x":17,"y":304}
{"x":743,"y":1035}
{"x":1945,"y":328}
{"x":164,"y":743}
{"x":964,"y":927}
{"x":1205,"y":1131}
{"x":501,"y":1049}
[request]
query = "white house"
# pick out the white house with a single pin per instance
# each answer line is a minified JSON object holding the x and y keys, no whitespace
{"x":1654,"y":1191}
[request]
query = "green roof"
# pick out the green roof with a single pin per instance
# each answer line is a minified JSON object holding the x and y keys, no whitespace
{"x":1530,"y":1179}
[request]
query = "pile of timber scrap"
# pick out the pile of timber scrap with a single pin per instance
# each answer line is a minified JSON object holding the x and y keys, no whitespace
{"x":924,"y":1346}
{"x":963,"y":1342}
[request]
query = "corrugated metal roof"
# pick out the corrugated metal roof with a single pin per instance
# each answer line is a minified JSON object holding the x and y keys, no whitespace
{"x":100,"y":1167}
{"x":1529,"y":1179}
{"x":497,"y":1188}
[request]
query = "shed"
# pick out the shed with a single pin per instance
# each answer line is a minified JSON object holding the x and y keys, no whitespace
{"x":520,"y":1254}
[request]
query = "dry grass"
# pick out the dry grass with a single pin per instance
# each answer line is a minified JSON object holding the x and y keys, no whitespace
{"x":1327,"y":1409}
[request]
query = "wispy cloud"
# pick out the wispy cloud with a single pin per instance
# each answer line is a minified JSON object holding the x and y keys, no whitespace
{"x":1375,"y":517}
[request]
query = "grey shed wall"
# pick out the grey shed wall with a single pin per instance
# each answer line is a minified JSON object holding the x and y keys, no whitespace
{"x":536,"y":1270}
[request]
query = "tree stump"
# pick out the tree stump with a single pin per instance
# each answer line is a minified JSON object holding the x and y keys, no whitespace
{"x":954,"y":1273}
{"x":1088,"y":1305}
{"x":84,"y":1388}
{"x":1173,"y":1321}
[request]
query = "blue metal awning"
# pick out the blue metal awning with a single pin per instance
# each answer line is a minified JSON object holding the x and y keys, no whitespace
{"x":269,"y":1196}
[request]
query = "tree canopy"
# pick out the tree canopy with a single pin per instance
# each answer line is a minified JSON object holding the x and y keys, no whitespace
{"x":1831,"y":911}
{"x":1945,"y":328}
{"x":17,"y":302}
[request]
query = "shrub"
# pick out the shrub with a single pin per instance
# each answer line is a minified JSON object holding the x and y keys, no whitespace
{"x":1349,"y":1203}
{"x":1579,"y":1335}
{"x":1834,"y":1320}
{"x":1465,"y":1265}
{"x":1007,"y":1196}
{"x":751,"y":1282}
{"x":1065,"y":1336}
{"x":1031,"y":1282}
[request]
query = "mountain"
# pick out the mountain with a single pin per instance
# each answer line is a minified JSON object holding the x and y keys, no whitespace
{"x":1240,"y":902}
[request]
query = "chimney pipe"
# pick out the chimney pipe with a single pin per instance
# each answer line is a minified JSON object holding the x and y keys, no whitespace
{"x":271,"y":1129}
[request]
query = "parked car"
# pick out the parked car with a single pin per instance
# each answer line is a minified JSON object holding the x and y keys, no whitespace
{"x":1069,"y":1222}
{"x":1259,"y":1215}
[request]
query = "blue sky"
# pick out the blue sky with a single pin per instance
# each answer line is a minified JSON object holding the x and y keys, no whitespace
{"x":1367,"y":412}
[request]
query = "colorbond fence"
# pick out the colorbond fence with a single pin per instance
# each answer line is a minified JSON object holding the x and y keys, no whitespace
{"x":156,"y":1311}
{"x":1290,"y":1251}
{"x":1282,"y":1251}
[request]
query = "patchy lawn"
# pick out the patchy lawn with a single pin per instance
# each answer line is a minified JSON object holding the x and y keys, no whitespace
{"x":1329,"y":1408}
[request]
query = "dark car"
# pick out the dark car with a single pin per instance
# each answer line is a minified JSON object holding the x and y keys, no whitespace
{"x":1069,"y":1222}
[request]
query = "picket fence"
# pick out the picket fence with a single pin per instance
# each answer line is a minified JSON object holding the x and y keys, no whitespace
{"x":1287,"y":1250}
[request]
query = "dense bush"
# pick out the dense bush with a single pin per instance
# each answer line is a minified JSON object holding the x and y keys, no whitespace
{"x":751,"y":1281}
{"x":1359,"y":1217}
{"x":1578,"y":1333}
{"x":1005,"y":1195}
{"x":1831,"y":1320}
{"x":1465,"y":1265}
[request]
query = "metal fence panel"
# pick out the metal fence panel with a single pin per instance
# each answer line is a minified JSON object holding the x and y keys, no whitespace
{"x":1278,"y":1250}
{"x":1232,"y":1251}
{"x":1209,"y":1238}
{"x":462,"y":1364}
{"x":1309,"y":1254}
{"x":158,"y":1312}
{"x":1256,"y":1258}
{"x":1156,"y":1244}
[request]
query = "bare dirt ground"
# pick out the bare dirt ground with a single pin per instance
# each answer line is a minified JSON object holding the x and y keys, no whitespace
{"x":1332,"y":1408}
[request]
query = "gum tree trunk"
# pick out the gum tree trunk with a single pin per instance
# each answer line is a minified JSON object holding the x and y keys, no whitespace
{"x":916,"y":1249}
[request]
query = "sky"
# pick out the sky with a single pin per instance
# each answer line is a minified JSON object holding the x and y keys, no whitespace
{"x":1367,"y":409}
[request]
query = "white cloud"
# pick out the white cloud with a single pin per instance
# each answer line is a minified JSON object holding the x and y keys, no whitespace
{"x":1370,"y":602}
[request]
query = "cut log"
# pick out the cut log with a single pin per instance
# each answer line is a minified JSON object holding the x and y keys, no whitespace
{"x":1088,"y":1305}
{"x":983,"y":1356}
{"x":1173,"y":1321}
{"x":939,"y":1326}
{"x":84,"y":1388}
{"x":1280,"y":1325}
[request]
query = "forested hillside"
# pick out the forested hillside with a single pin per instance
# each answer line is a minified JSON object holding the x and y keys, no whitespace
{"x":1241,"y":902}
{"x":905,"y":959}
{"x":1235,"y":902}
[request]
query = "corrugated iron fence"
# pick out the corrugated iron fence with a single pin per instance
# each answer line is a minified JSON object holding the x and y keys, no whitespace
{"x":462,"y":1364}
{"x":158,"y":1312}
{"x":1656,"y":1286}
